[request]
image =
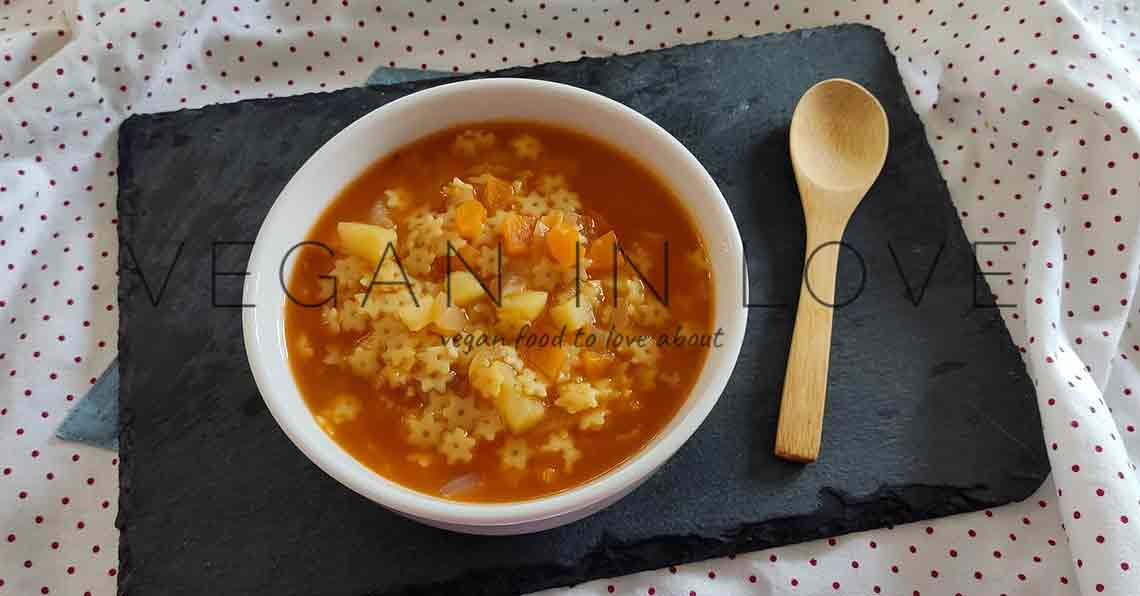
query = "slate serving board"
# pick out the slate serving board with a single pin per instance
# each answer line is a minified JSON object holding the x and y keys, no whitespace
{"x":930,"y":411}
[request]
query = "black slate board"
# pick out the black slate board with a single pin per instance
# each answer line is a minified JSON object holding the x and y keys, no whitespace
{"x":930,"y":411}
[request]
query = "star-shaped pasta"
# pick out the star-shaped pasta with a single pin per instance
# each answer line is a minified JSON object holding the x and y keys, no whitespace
{"x":514,"y":454}
{"x":456,"y":445}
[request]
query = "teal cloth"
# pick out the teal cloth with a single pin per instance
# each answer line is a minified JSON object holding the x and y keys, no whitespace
{"x":388,"y":76}
{"x":95,"y":419}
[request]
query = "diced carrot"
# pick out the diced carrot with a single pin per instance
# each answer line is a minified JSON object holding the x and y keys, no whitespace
{"x":438,"y":268}
{"x":602,"y":252}
{"x":499,"y":193}
{"x":470,"y":215}
{"x":552,"y":219}
{"x":515,"y":231}
{"x":548,"y":360}
{"x":594,"y":364}
{"x":562,"y":242}
{"x":468,"y":253}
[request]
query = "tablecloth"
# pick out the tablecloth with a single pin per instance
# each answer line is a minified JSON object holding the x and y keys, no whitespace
{"x":1031,"y":108}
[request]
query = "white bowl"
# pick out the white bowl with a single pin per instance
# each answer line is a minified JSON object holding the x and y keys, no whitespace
{"x":403,"y":121}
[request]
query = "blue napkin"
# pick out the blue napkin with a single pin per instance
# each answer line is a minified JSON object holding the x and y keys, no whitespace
{"x":95,"y":419}
{"x":388,"y":76}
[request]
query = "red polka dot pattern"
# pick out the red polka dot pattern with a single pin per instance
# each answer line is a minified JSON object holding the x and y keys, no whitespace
{"x":1030,"y":108}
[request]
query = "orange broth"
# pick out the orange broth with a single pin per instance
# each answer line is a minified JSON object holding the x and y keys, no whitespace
{"x":616,"y":194}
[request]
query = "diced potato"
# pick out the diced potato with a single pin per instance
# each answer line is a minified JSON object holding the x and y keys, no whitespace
{"x":470,"y":216}
{"x":575,"y":397}
{"x":572,"y":316}
{"x":458,"y":190}
{"x":523,"y":306}
{"x":417,"y":317}
{"x":515,"y":231}
{"x":489,"y":375}
{"x":366,"y":240}
{"x":518,"y":411}
{"x":465,"y":288}
{"x":562,"y":243}
{"x":501,"y":373}
{"x":548,"y":360}
{"x":447,"y":320}
{"x":602,"y":252}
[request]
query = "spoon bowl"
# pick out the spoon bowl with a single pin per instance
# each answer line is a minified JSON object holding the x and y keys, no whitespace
{"x":838,"y":142}
{"x":838,"y":136}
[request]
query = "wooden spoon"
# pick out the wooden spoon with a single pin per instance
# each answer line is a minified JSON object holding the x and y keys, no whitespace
{"x":838,"y":143}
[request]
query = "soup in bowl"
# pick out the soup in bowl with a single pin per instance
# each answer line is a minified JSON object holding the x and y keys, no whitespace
{"x":495,"y":306}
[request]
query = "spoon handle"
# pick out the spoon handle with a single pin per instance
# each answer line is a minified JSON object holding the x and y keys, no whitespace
{"x":805,"y":382}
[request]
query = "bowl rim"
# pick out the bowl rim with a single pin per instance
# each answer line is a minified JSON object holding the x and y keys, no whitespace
{"x":617,"y":481}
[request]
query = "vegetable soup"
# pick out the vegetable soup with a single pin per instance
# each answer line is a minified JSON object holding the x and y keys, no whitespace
{"x":499,"y":312}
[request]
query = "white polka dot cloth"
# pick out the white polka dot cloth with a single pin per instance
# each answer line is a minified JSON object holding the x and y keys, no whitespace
{"x":1032,"y":109}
